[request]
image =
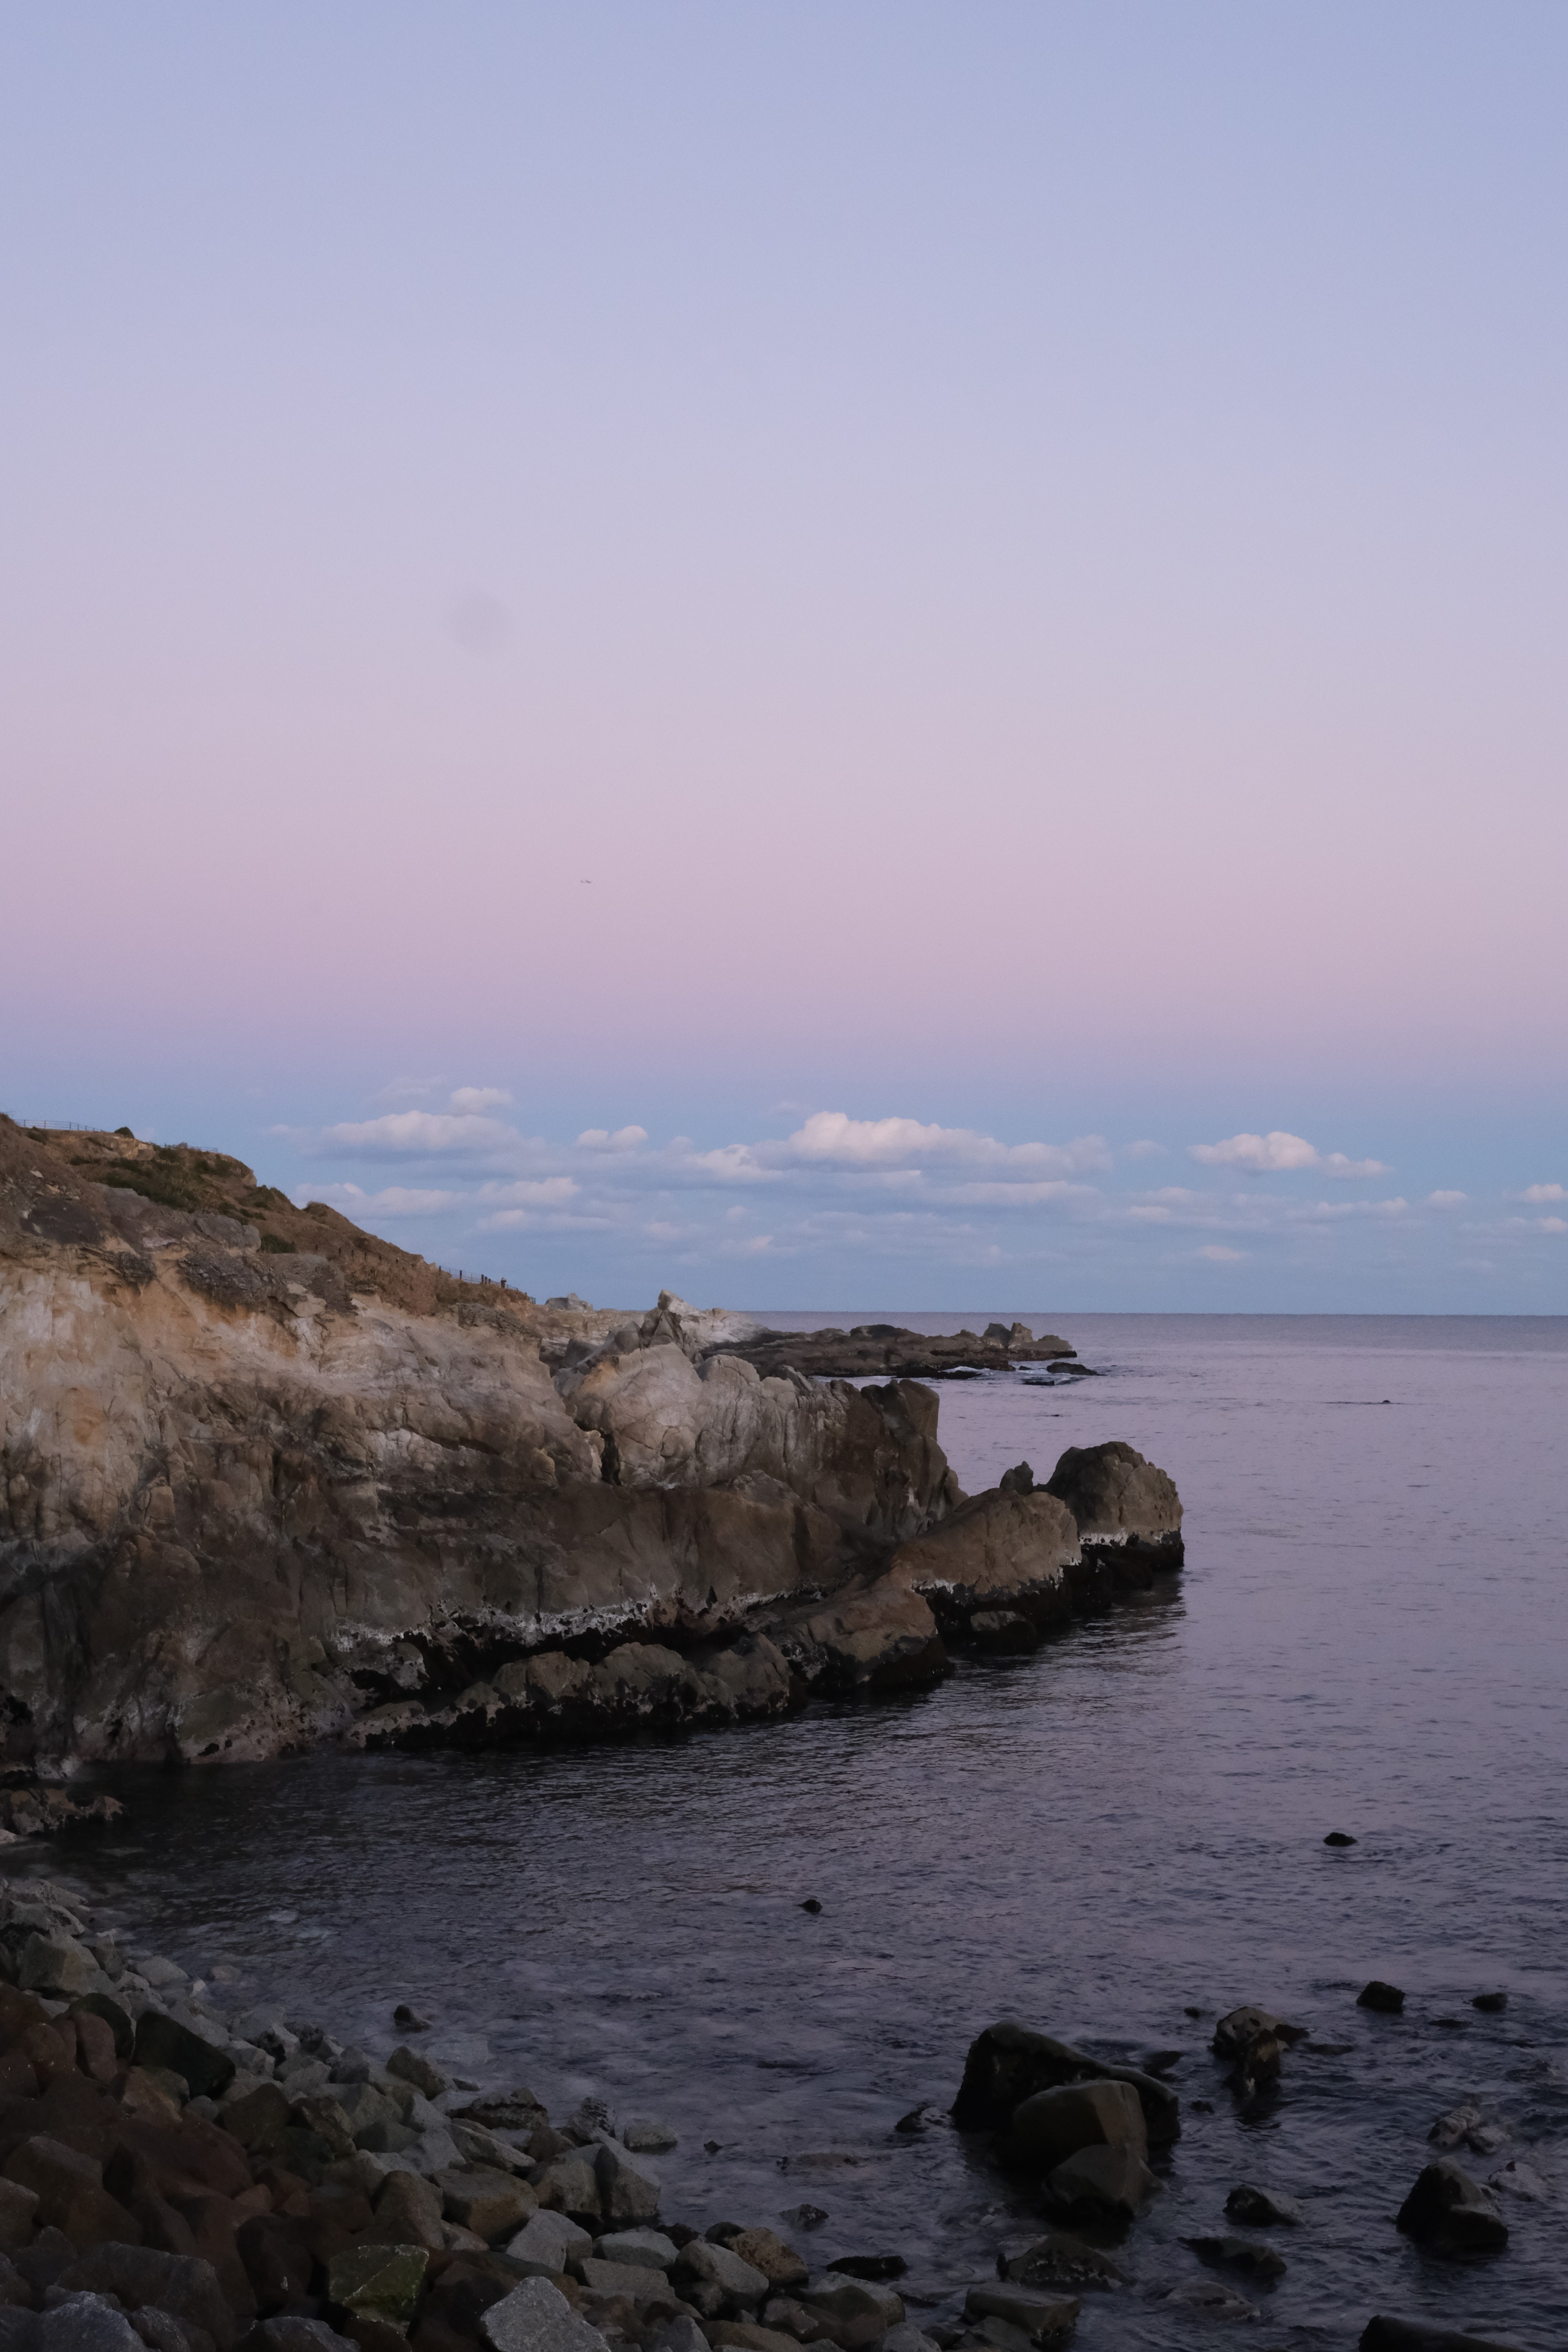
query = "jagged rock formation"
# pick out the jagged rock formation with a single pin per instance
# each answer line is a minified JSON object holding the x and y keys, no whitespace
{"x":886,"y":1351}
{"x":269,"y":1481}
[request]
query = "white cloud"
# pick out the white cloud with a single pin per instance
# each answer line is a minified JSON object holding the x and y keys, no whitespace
{"x":1217,"y":1254}
{"x":1544,"y":1192}
{"x":416,"y":1134}
{"x":833,"y":1137}
{"x":1446,"y":1200}
{"x":394,"y":1201}
{"x":531,"y":1193}
{"x":1268,"y":1155}
{"x":469,"y":1100}
{"x":599,"y":1138}
{"x":1144,"y":1149}
{"x":1552,"y":1224}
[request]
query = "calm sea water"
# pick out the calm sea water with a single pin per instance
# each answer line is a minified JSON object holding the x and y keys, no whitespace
{"x":1099,"y":1839}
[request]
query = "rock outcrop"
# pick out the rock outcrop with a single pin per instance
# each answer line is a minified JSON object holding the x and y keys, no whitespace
{"x":267,"y":1481}
{"x":886,"y":1351}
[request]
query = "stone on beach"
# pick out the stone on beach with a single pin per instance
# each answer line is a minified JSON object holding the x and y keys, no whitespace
{"x":628,"y":2192}
{"x":536,"y":2317}
{"x":548,"y":2242}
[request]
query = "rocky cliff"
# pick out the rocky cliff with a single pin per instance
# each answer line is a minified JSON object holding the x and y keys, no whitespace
{"x":266,"y":1480}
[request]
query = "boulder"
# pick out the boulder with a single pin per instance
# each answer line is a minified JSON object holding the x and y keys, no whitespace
{"x":493,"y":2205}
{"x":1003,"y":1630}
{"x":1208,"y":2299}
{"x":645,"y":2288}
{"x":1377,"y":1995}
{"x":1117,"y":1498}
{"x":139,"y":2275}
{"x":1244,"y":2255}
{"x":1053,"y":2125}
{"x":780,"y":2264}
{"x":851,"y":2312}
{"x":57,"y":1965}
{"x":643,"y":2249}
{"x":409,"y":2211}
{"x":547,"y":2243}
{"x":715,"y":2281}
{"x":1102,"y":2182}
{"x":1012,"y":1550}
{"x":628,"y":2192}
{"x":18,"y":2215}
{"x":1007,"y":2064}
{"x":1240,"y":2027}
{"x":1060,"y":2260}
{"x":165,"y":2042}
{"x":378,"y":2283}
{"x":1260,"y":2208}
{"x":570,"y":2185}
{"x":646,"y":2135}
{"x":1452,"y":2214}
{"x":537,"y":2317}
{"x":1042,"y":2317}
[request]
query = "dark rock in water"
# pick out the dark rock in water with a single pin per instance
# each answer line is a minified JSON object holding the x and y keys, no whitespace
{"x":1338,"y":1837}
{"x":804,"y":2217}
{"x":1041,"y":2317}
{"x":1385,"y":1997}
{"x":870,"y":2266}
{"x":1209,"y":2298}
{"x":1260,"y":2209}
{"x":1018,"y":1481}
{"x":1008,"y":2063}
{"x":1420,"y":2336}
{"x":1490,"y":2001}
{"x":919,"y":2119}
{"x":1239,"y":2027}
{"x":1258,"y":2067}
{"x":1160,"y":2062}
{"x":1102,"y":2183}
{"x":1003,"y":1630}
{"x":1119,"y":1500}
{"x":1244,"y":2255}
{"x":1058,"y":2260}
{"x":811,"y":1904}
{"x":1053,"y":2125}
{"x":408,"y":2021}
{"x":1452,"y":2214}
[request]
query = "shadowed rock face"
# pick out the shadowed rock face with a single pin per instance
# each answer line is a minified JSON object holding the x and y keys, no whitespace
{"x":259,"y":1497}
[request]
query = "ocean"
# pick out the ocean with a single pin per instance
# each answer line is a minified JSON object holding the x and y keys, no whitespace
{"x":1116,"y":1838}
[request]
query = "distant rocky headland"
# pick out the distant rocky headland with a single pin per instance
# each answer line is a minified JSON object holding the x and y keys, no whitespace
{"x":269,"y":1481}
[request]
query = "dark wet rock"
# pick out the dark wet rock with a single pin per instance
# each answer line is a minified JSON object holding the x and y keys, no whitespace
{"x":1019,"y":1480}
{"x":1058,"y":2260}
{"x":1053,"y":2125}
{"x":920,"y":2120}
{"x":804,"y":2217}
{"x":186,"y":2287}
{"x":408,"y":2021}
{"x":1239,"y":2027}
{"x":1003,"y":1630}
{"x":163,"y":2041}
{"x":1208,"y":2299}
{"x":1452,"y":2214}
{"x":1042,"y":2317}
{"x":1101,"y":2183}
{"x":1492,"y":2002}
{"x":1382,"y":2334}
{"x":811,"y":1904}
{"x":1339,"y":1837}
{"x":1263,"y":2209}
{"x":1245,"y":2256}
{"x":865,"y":2266}
{"x":1518,"y":2179}
{"x":871,"y":1350}
{"x":1387,"y":1999}
{"x":1007,"y":2064}
{"x":646,"y":2135}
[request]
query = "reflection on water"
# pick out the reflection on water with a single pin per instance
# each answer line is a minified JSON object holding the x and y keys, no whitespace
{"x":1124,"y":1826}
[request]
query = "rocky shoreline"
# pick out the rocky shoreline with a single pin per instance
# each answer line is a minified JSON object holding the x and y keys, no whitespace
{"x":186,"y":2170}
{"x":271,"y":1483}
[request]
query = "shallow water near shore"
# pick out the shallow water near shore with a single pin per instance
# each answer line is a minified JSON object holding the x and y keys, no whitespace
{"x":1095,"y":1839}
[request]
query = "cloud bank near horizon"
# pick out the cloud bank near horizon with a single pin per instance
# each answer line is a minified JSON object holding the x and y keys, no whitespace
{"x":924,"y":1202}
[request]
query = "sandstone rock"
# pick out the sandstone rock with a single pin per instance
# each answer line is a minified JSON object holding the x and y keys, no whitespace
{"x":537,"y":2317}
{"x":1053,"y":2125}
{"x":1452,"y":2213}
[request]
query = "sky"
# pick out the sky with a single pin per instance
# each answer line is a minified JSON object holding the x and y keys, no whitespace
{"x":903,"y":655}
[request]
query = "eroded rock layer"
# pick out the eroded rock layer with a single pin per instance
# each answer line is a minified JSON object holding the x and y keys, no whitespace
{"x":269,"y":1481}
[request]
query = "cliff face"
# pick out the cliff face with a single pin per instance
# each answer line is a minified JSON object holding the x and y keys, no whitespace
{"x":265,"y":1480}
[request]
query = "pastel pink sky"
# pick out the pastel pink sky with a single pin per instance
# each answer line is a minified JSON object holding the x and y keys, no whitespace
{"x":1003,"y":568}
